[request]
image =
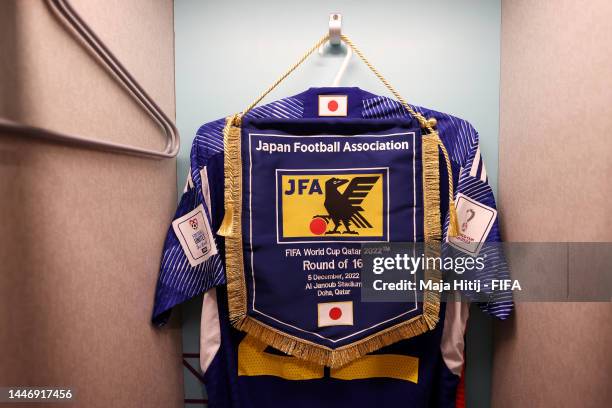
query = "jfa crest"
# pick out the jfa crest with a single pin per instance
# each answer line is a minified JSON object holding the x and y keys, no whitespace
{"x":332,"y":205}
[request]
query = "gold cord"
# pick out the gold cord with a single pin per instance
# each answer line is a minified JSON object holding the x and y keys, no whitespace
{"x":453,"y":225}
{"x":282,"y":77}
{"x":425,"y":124}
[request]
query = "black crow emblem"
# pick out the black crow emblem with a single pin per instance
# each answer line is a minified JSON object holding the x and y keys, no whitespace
{"x":345,"y":208}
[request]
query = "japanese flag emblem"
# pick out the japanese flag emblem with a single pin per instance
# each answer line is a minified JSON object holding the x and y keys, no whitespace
{"x":335,"y":314}
{"x":333,"y":105}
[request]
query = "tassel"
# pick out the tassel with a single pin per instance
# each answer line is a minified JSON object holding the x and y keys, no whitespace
{"x":226,"y":227}
{"x":453,"y":225}
{"x":431,"y":188}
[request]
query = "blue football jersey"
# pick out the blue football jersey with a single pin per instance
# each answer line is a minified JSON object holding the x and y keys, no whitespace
{"x":242,"y":371}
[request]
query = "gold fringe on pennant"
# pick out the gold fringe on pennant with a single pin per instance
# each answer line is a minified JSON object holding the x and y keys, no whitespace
{"x":231,"y":229}
{"x":341,"y":356}
{"x":231,"y":226}
{"x":453,"y":226}
{"x":431,"y":222}
{"x":431,"y":188}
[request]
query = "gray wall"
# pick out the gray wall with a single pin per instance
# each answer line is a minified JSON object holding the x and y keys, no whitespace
{"x":82,"y":231}
{"x":554,"y":183}
{"x":444,"y":55}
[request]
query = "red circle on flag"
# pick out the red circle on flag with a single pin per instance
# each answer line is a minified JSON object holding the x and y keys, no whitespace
{"x":335,"y":313}
{"x":318,"y":226}
{"x":332,"y":105}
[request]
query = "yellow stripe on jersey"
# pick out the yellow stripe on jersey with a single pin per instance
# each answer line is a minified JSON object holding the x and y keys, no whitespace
{"x":382,"y":365}
{"x":253,"y":360}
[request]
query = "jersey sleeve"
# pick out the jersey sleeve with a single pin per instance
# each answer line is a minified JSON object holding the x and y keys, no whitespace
{"x":471,"y":182}
{"x":191,"y":263}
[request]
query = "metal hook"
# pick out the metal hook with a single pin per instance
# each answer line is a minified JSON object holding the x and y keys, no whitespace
{"x":335,"y":28}
{"x":335,"y":31}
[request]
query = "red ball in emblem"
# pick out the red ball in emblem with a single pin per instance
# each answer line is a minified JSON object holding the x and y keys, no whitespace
{"x":318,"y":226}
{"x":332,"y":105}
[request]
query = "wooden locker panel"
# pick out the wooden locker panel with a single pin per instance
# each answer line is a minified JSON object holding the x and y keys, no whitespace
{"x":83,"y":230}
{"x":554,"y":186}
